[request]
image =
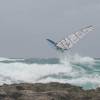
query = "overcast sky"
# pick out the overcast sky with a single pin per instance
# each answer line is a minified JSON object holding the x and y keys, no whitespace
{"x":25,"y":24}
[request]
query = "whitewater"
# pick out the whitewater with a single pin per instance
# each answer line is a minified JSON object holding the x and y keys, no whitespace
{"x":75,"y":70}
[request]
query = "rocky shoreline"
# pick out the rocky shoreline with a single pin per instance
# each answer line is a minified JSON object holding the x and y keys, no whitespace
{"x":49,"y":91}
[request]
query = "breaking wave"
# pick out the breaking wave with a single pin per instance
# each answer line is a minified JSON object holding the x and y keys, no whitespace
{"x":75,"y":70}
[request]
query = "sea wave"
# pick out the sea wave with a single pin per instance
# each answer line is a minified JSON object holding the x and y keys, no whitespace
{"x":76,"y":70}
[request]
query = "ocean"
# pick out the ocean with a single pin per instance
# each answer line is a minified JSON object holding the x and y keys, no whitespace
{"x":75,"y":70}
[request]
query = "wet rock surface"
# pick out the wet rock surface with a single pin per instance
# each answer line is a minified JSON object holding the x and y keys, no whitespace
{"x":49,"y":91}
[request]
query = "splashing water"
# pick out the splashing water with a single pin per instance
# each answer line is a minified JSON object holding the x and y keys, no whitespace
{"x":76,"y":70}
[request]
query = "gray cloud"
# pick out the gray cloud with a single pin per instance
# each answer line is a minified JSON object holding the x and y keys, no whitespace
{"x":25,"y":24}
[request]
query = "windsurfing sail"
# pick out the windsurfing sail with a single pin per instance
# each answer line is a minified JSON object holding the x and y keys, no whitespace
{"x":72,"y":39}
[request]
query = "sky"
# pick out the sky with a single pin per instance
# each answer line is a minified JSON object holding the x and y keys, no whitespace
{"x":25,"y":24}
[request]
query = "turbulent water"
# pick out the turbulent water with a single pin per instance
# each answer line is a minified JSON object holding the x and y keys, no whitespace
{"x":75,"y":70}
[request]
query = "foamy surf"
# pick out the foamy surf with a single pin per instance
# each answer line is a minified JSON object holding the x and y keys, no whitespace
{"x":76,"y":70}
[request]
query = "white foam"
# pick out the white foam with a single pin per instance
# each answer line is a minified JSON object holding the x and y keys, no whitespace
{"x":3,"y":59}
{"x":77,"y":59}
{"x":83,"y":60}
{"x":9,"y":59}
{"x":32,"y":73}
{"x":82,"y":81}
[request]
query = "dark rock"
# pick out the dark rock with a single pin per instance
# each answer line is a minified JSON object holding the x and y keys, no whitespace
{"x":49,"y":91}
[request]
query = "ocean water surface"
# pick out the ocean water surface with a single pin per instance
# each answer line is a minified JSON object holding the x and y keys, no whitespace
{"x":75,"y":70}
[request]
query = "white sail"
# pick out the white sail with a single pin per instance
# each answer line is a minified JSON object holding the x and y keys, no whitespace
{"x":68,"y":42}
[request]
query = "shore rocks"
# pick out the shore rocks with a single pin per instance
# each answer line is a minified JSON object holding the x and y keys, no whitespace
{"x":49,"y":91}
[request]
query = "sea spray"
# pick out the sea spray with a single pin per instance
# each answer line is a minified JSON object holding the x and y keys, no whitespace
{"x":76,"y":70}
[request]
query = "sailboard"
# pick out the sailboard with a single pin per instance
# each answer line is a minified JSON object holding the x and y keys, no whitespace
{"x":72,"y":39}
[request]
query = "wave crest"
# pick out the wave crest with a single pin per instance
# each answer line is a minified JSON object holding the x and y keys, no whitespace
{"x":75,"y":70}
